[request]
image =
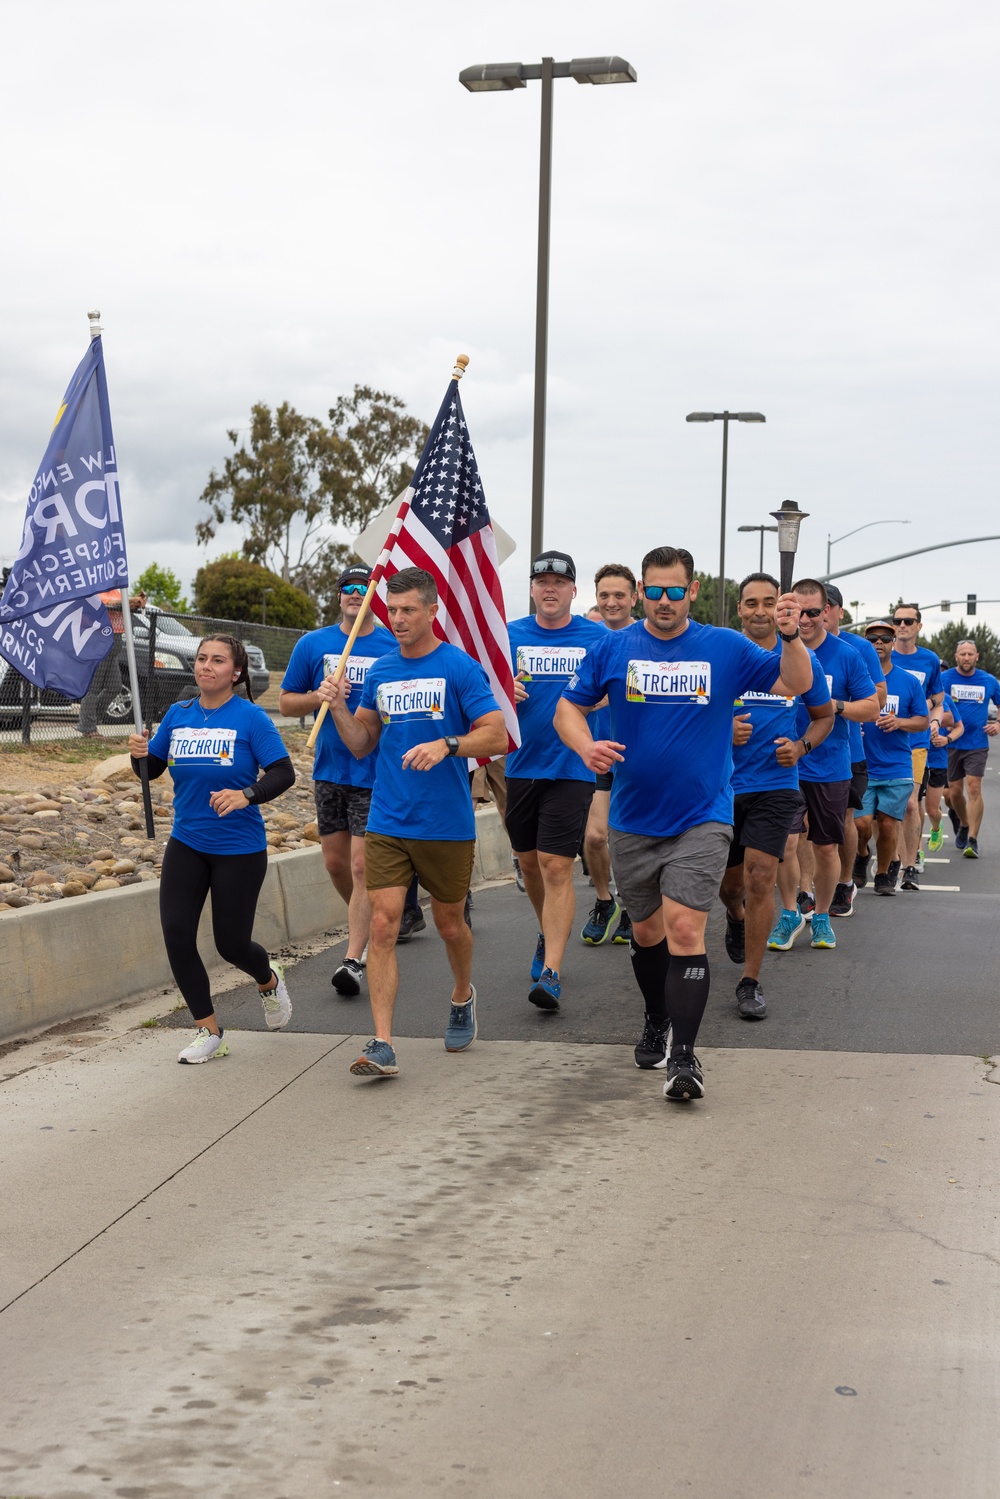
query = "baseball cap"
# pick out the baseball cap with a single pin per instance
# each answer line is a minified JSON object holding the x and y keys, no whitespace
{"x":554,"y":562}
{"x":880,"y":624}
{"x":359,"y":573}
{"x":834,"y":594}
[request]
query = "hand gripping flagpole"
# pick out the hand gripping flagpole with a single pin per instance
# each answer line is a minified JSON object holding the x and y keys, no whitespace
{"x":133,"y":675}
{"x":460,"y":367}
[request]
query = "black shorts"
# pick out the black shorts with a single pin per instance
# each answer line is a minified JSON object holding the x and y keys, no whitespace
{"x":826,"y":804}
{"x":549,"y":816}
{"x":937,"y":776}
{"x":762,"y":820}
{"x":925,"y":782}
{"x":859,"y":785}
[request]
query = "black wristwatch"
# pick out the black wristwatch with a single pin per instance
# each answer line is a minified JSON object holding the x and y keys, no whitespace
{"x":250,"y":792}
{"x":806,"y":745}
{"x":789,"y":637}
{"x":838,"y":705}
{"x":451,"y":740}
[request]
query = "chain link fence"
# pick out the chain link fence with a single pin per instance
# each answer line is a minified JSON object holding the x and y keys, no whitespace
{"x":165,"y":650}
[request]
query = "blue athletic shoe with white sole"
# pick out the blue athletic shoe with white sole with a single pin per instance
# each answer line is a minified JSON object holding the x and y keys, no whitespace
{"x":785,"y":930}
{"x":462,"y":1029}
{"x":377,"y":1060}
{"x":546,"y":992}
{"x":822,"y":931}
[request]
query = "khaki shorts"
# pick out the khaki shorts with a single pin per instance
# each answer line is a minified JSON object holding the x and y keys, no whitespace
{"x":919,"y":759}
{"x":444,"y":868}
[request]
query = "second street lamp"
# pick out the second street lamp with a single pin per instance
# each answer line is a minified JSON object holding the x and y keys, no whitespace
{"x":761,"y":529}
{"x":725,"y":417}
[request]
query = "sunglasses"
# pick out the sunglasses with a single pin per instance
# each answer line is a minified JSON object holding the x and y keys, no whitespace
{"x":655,"y":592}
{"x":550,"y":565}
{"x":355,"y":588}
{"x":810,"y":613}
{"x":909,"y":620}
{"x":882,"y":639}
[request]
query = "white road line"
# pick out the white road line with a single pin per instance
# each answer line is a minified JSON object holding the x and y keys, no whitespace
{"x":940,"y":887}
{"x":936,"y":861}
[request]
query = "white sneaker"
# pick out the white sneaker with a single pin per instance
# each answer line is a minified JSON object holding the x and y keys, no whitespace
{"x":276,"y":1002}
{"x":204,"y":1047}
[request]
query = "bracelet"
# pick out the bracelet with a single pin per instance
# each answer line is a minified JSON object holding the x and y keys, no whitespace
{"x":789,"y":637}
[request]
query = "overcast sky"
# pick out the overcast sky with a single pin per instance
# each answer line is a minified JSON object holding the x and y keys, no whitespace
{"x":794,"y":210}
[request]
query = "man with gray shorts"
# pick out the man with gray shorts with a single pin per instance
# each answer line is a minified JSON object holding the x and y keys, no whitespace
{"x":671,"y":684}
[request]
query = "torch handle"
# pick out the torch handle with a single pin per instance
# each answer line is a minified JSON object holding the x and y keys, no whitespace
{"x":787,"y":568}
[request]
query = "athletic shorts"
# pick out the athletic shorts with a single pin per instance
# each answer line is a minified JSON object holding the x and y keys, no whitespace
{"x":962,"y":763}
{"x":687,"y":868}
{"x":937,"y":776}
{"x":339,"y":808}
{"x":762,"y":820}
{"x":826,"y":804}
{"x":888,"y":797}
{"x":443,"y":867}
{"x":859,"y":780}
{"x":549,"y":816}
{"x":918,"y":758}
{"x":605,"y":779}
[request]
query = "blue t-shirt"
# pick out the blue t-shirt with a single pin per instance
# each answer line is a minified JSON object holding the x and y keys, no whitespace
{"x":221,"y":750}
{"x":888,"y":753}
{"x":755,"y":767}
{"x":315,"y":656}
{"x":546,"y":660}
{"x":937,"y":759}
{"x":672,"y":707}
{"x":847,"y":678}
{"x":418,"y":699}
{"x":926,"y":667}
{"x":869,"y":656}
{"x":972,"y":696}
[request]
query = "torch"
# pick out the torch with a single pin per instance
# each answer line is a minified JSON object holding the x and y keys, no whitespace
{"x":789,"y":519}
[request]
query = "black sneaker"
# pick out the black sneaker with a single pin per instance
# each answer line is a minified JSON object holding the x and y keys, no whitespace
{"x":885,"y":884}
{"x":347,"y":978}
{"x":843,"y":900}
{"x":750,"y":1000}
{"x":911,"y":878}
{"x":971,"y":849}
{"x":962,"y":836}
{"x":652,"y":1046}
{"x":684,"y":1076}
{"x":413,"y":921}
{"x":735,"y":939}
{"x":893,"y":871}
{"x":862,"y":863}
{"x":806,"y":903}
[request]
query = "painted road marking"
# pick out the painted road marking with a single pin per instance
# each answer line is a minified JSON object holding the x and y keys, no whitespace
{"x":940,"y":887}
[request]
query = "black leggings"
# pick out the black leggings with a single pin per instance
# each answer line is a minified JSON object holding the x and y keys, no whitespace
{"x":235,"y":881}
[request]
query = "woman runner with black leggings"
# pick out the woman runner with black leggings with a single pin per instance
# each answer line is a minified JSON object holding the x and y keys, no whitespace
{"x":214,"y":747}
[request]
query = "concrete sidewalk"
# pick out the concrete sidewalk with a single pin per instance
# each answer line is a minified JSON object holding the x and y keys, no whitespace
{"x":514,"y":1272}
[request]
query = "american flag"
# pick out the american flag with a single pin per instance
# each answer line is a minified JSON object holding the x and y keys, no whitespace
{"x":443,"y":526}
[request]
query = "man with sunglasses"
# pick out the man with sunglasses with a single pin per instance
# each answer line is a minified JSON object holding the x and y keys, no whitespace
{"x":825,"y":777}
{"x":925,"y":666}
{"x":549,"y":788}
{"x":671,"y":684}
{"x":888,"y":744}
{"x":342,"y":785}
{"x":972,"y":691}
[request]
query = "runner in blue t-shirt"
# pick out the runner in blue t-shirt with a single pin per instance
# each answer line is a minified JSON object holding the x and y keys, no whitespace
{"x":972,"y":691}
{"x":549,"y":788}
{"x":429,"y":708}
{"x":214,"y":745}
{"x":767,"y":747}
{"x":671,"y":685}
{"x":888,"y":751}
{"x":946,"y":728}
{"x":925,"y":665}
{"x":341,"y":784}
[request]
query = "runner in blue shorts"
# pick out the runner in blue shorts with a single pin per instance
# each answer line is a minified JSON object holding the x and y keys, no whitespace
{"x":887,"y":750}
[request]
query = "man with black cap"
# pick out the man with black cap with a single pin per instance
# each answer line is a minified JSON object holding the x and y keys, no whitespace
{"x":342,"y":785}
{"x":549,"y":788}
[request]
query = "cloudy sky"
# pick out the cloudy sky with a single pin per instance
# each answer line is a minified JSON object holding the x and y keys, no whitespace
{"x":794,"y":210}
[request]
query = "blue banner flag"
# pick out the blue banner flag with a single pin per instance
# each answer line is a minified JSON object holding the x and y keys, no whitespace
{"x":54,"y":627}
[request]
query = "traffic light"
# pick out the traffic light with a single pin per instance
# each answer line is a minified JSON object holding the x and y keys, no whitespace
{"x":970,"y":604}
{"x":946,"y":606}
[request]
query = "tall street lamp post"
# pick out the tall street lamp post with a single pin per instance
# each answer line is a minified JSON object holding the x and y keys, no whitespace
{"x":495,"y":78}
{"x":761,"y":529}
{"x":725,"y":417}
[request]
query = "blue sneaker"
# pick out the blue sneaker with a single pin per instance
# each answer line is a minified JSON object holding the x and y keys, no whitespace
{"x":601,"y":922}
{"x":462,"y":1029}
{"x":377,"y":1060}
{"x":822,"y":931}
{"x":623,"y":931}
{"x":786,"y":929}
{"x":546,"y":992}
{"x":538,"y":961}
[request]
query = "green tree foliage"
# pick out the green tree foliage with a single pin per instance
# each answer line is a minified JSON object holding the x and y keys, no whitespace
{"x":987,"y":643}
{"x":233,"y":588}
{"x":162,"y":588}
{"x":704,"y":610}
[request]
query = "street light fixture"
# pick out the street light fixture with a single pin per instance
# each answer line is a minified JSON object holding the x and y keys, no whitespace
{"x":833,"y":543}
{"x":761,"y":529}
{"x":789,"y":519}
{"x":495,"y":77}
{"x":725,"y":417}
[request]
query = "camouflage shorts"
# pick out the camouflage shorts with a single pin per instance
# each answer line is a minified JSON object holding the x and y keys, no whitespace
{"x":339,"y":808}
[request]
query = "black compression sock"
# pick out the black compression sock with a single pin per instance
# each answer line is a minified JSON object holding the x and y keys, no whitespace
{"x":649,"y":964}
{"x":687,"y":987}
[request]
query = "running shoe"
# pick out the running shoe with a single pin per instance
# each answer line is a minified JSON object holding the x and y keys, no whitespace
{"x":545,"y":994}
{"x":412,"y":922}
{"x":920,"y":861}
{"x":885,"y":884}
{"x":935,"y":842}
{"x":862,"y":863}
{"x":347,"y":978}
{"x":971,"y":849}
{"x":822,"y":931}
{"x":276,"y":1002}
{"x":538,"y":961}
{"x":911,"y":878}
{"x":601,"y":922}
{"x":893,"y":871}
{"x":205,"y":1047}
{"x":685,"y":1079}
{"x":735,"y":939}
{"x":962,"y":836}
{"x":377,"y":1060}
{"x":518,"y":876}
{"x":953,"y":819}
{"x":750,"y":1003}
{"x":843,"y":901}
{"x":462,"y":1029}
{"x":786,"y":929}
{"x":653,"y":1045}
{"x":623,"y":931}
{"x":807,"y":904}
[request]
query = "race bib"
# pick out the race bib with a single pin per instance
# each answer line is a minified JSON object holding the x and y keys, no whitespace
{"x":765,"y":700}
{"x":891,"y":703}
{"x":399,"y":702}
{"x":354,"y":672}
{"x":560,"y":661}
{"x":921,"y":676}
{"x":975,"y":692}
{"x":668,"y":682}
{"x":202,"y":746}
